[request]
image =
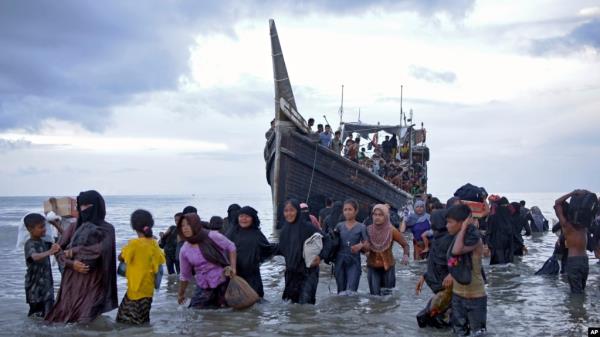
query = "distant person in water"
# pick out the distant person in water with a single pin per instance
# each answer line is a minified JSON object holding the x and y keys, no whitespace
{"x":418,"y":223}
{"x":88,"y":286}
{"x":437,"y":275}
{"x":252,"y":247}
{"x":353,"y":239}
{"x":576,"y":240}
{"x":143,"y":258}
{"x":300,"y":280}
{"x":519,"y":223}
{"x":169,"y":242}
{"x":500,"y":233}
{"x":536,"y":220}
{"x":380,"y":257}
{"x":39,"y":287}
{"x":231,"y":217}
{"x":203,"y":258}
{"x":324,"y":212}
{"x":215,"y":223}
{"x":305,"y":211}
{"x":469,"y":301}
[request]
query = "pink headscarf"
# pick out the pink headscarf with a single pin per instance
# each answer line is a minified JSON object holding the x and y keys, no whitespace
{"x":380,"y":236}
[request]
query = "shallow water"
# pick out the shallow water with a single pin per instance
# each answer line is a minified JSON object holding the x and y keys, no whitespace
{"x":519,"y":303}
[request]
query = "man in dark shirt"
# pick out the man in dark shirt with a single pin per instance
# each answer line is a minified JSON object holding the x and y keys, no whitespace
{"x":324,"y":213}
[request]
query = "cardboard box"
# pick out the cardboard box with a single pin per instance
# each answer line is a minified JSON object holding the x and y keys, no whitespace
{"x":66,"y":206}
{"x":477,"y":208}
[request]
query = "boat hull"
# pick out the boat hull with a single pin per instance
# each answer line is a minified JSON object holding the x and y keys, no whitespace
{"x":298,"y":167}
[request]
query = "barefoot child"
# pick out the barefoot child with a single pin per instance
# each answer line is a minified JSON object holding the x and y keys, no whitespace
{"x":143,"y":258}
{"x":39,"y":290}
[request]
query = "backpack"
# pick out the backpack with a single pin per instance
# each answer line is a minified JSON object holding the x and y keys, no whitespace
{"x":470,"y":192}
{"x":582,"y":209}
{"x":331,"y":246}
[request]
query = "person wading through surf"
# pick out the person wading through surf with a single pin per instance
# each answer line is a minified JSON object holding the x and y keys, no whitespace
{"x":380,"y":258}
{"x":300,"y":281}
{"x":500,"y":233}
{"x":418,"y":223}
{"x":203,"y":257}
{"x":437,"y":276}
{"x":88,"y":286}
{"x":252,"y":246}
{"x":353,"y":239}
{"x":576,"y":237}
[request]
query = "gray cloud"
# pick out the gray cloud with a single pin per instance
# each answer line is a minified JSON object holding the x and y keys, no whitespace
{"x":11,"y":145}
{"x":429,"y":75}
{"x":585,"y":35}
{"x":77,"y":60}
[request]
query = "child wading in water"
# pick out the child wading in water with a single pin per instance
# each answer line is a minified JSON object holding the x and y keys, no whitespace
{"x":469,"y":301}
{"x":353,"y":239}
{"x":143,"y":258}
{"x":39,"y":290}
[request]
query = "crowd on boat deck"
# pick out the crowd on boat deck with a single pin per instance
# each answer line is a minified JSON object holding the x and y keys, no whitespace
{"x":226,"y":253}
{"x":388,"y":159}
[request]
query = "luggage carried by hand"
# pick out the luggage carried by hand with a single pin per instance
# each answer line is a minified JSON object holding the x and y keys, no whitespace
{"x":239,"y":294}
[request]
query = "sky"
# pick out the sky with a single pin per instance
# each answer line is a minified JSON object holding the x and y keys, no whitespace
{"x":174,"y":97}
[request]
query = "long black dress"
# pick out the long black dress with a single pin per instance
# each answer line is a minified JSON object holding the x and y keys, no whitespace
{"x":501,"y":236}
{"x":300,"y":282}
{"x":252,"y":248}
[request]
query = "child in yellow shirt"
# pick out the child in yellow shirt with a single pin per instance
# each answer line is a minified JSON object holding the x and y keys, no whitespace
{"x":143,"y":258}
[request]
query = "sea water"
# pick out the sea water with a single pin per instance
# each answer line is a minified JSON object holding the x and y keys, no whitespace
{"x":519,"y":303}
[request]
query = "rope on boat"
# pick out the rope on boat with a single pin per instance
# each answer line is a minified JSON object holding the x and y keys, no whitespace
{"x":313,"y":172}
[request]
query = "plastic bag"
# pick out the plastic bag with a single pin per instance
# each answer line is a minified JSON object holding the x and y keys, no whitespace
{"x":441,"y":301}
{"x":239,"y":294}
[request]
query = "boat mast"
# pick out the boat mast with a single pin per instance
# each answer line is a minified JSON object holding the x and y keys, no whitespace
{"x":400,"y":105}
{"x":283,"y":87}
{"x":342,"y":108}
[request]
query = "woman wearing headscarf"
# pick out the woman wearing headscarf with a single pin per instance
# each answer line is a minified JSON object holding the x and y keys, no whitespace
{"x":89,"y":282}
{"x":418,"y":223}
{"x":536,"y":220}
{"x":229,"y":221}
{"x":437,"y":275}
{"x":300,"y":281}
{"x":500,"y":233}
{"x":203,"y":258}
{"x":252,"y":247}
{"x":380,"y":258}
{"x":519,"y":223}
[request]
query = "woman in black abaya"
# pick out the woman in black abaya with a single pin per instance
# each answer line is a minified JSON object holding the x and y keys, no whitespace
{"x":300,"y":281}
{"x":252,"y":246}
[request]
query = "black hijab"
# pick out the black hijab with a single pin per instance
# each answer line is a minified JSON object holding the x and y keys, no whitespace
{"x":95,"y":213}
{"x":292,"y":237}
{"x":500,"y":228}
{"x":235,"y":227}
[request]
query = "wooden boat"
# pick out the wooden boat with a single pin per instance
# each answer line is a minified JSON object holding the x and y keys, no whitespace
{"x":298,"y":167}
